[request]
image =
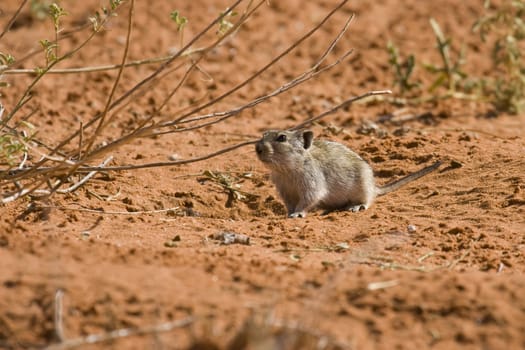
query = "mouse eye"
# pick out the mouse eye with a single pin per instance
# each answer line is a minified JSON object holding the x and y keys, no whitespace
{"x":281,"y":138}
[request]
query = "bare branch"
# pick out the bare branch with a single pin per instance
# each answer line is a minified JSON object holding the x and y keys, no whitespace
{"x":104,"y":67}
{"x":174,"y":57}
{"x":25,"y":191}
{"x":109,"y":212}
{"x":268,"y":65}
{"x":13,"y":19}
{"x":121,"y":333}
{"x":228,"y":114}
{"x":251,"y":142}
{"x":148,"y":131}
{"x":86,"y":178}
{"x":172,"y":163}
{"x":312,"y":72}
{"x":307,"y":75}
{"x":222,"y":151}
{"x":102,"y":118}
{"x":17,"y":195}
{"x":339,"y":106}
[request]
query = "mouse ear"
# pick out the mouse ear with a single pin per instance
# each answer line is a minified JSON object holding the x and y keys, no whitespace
{"x":308,"y":138}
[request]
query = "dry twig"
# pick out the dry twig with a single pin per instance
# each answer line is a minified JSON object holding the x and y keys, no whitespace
{"x":109,"y":212}
{"x":24,"y":191}
{"x":13,"y":18}
{"x":121,"y":333}
{"x":102,"y":68}
{"x":108,"y":336}
{"x":59,"y":325}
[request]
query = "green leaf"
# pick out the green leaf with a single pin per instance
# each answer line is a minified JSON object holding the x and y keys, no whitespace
{"x":179,"y":20}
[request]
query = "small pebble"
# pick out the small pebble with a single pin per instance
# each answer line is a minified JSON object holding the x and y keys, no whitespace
{"x":411,"y":228}
{"x":174,"y":157}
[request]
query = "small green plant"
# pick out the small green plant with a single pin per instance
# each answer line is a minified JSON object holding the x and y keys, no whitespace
{"x":10,"y":149}
{"x":402,"y":69}
{"x":13,"y":144}
{"x":225,"y":24}
{"x":504,"y":87}
{"x":49,"y":51}
{"x":181,"y":22}
{"x":505,"y":25}
{"x":5,"y":61}
{"x":113,"y":4}
{"x":98,"y":20}
{"x":50,"y":48}
{"x":56,"y":12}
{"x":450,"y":73}
{"x":230,"y":184}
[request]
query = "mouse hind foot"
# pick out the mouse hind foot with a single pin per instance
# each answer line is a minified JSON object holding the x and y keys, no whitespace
{"x":354,"y":208}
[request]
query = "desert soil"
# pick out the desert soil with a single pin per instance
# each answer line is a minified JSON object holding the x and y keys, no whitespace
{"x":437,"y":264}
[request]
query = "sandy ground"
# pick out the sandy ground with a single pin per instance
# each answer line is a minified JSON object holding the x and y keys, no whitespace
{"x":438,"y":264}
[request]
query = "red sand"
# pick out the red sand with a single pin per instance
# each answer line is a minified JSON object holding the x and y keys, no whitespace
{"x":456,"y":281}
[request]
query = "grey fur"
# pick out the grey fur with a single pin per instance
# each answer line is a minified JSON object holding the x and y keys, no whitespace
{"x":322,"y":174}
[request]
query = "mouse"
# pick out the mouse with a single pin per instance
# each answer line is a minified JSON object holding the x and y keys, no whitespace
{"x":320,"y":174}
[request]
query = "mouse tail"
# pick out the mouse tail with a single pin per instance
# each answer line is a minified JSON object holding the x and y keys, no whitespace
{"x":394,"y":185}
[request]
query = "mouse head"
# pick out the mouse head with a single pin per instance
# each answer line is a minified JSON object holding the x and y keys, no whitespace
{"x":283,"y":148}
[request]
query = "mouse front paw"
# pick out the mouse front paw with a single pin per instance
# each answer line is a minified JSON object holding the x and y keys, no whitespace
{"x":300,"y":214}
{"x":356,"y":208}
